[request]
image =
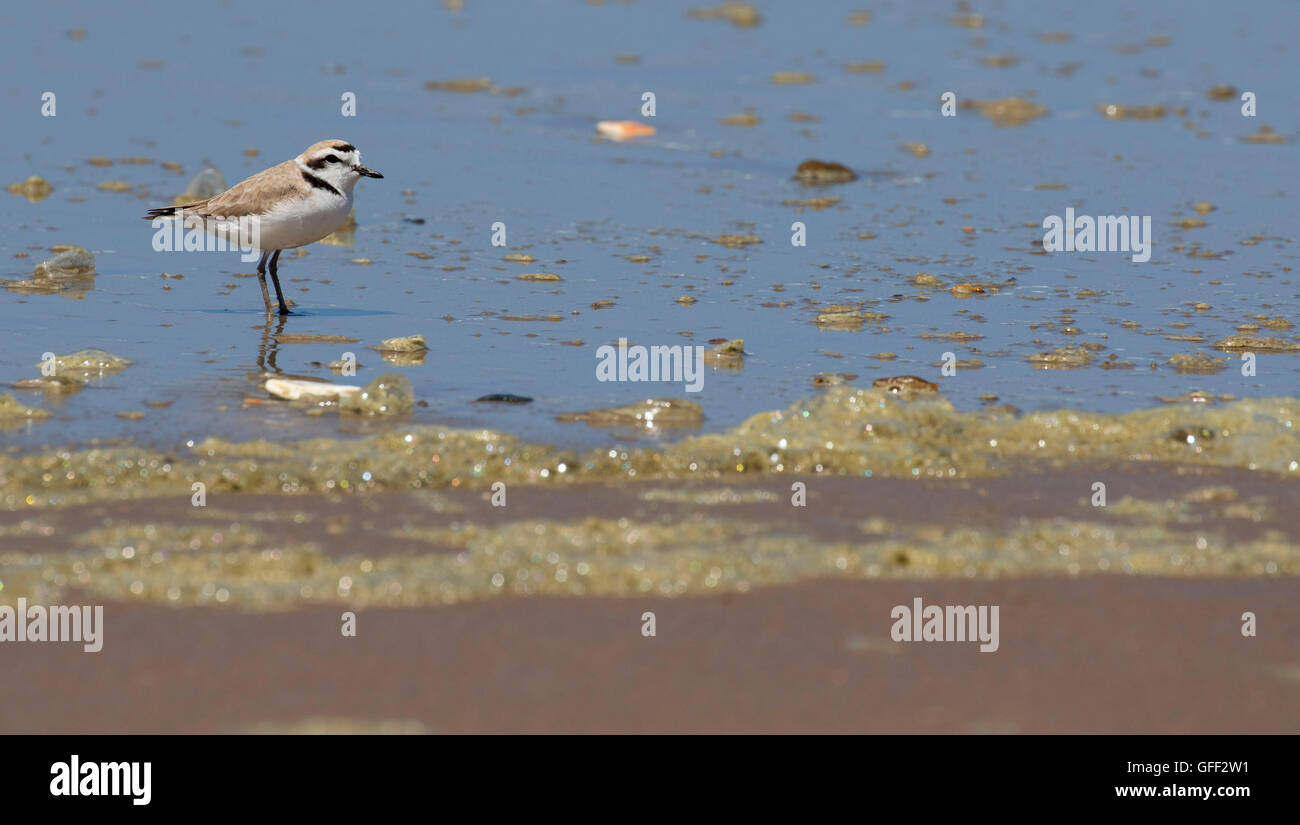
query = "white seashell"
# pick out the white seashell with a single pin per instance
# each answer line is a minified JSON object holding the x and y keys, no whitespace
{"x":295,"y":390}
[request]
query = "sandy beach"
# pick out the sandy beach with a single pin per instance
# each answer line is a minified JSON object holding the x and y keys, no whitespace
{"x":1094,"y":655}
{"x":1158,"y":652}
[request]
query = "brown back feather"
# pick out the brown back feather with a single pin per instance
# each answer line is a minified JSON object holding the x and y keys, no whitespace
{"x":248,"y":197}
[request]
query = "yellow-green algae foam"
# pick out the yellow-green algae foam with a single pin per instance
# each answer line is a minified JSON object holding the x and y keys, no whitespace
{"x":225,"y":564}
{"x":845,"y":431}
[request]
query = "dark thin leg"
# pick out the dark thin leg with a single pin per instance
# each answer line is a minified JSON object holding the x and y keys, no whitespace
{"x":275,"y":279}
{"x":261,"y":279}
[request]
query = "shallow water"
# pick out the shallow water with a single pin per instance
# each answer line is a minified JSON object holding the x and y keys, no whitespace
{"x":147,"y":85}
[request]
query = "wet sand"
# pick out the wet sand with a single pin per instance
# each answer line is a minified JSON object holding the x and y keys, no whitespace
{"x":794,"y":644}
{"x":1097,"y":655}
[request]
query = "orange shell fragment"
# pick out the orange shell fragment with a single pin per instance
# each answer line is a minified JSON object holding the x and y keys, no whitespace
{"x":624,"y":129}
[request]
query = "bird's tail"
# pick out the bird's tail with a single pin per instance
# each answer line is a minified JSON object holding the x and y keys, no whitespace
{"x":170,"y":211}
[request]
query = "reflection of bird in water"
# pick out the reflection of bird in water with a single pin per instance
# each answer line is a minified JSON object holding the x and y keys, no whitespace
{"x":269,"y":348}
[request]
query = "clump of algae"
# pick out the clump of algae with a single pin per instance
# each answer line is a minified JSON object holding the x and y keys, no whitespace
{"x":1197,"y":362}
{"x":13,"y":412}
{"x":815,"y":172}
{"x":844,"y":430}
{"x":1010,"y":111}
{"x":406,"y":343}
{"x":389,"y":394}
{"x":34,"y":189}
{"x":68,"y":262}
{"x":87,"y":363}
{"x":649,"y":414}
{"x":742,"y":15}
{"x":188,"y":566}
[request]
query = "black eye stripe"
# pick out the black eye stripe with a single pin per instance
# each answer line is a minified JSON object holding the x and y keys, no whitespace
{"x":320,"y":162}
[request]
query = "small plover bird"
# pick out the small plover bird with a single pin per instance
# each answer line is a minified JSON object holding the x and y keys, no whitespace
{"x":289,"y":205}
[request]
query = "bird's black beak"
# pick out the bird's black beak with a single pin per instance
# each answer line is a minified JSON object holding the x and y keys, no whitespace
{"x":370,"y":173}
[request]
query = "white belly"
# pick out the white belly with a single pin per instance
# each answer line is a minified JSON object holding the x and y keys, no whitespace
{"x":298,"y":223}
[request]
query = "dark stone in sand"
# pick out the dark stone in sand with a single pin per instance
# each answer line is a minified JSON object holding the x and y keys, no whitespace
{"x":504,"y":398}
